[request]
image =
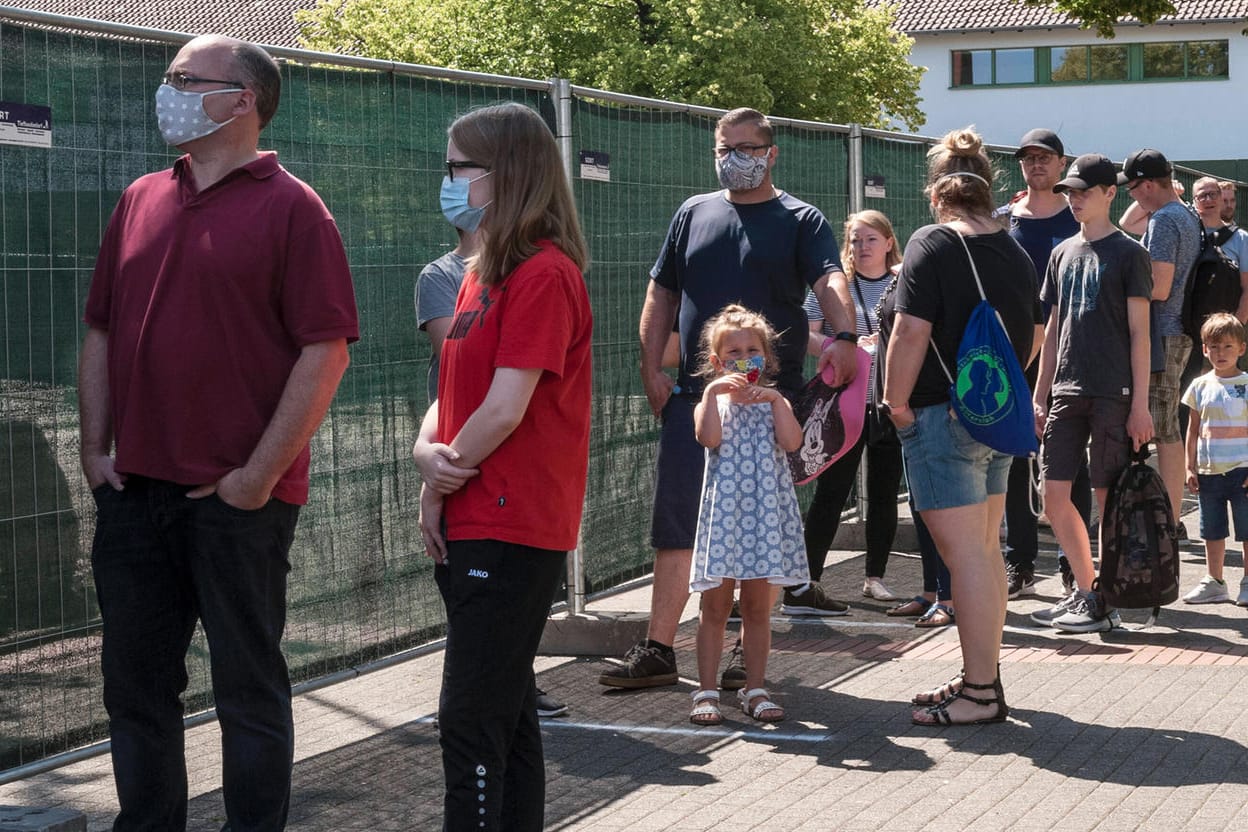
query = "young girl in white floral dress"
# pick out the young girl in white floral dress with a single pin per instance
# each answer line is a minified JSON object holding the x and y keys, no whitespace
{"x":749,"y":525}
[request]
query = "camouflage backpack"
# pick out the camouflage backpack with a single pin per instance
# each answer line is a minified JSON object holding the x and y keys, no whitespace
{"x":1139,"y":541}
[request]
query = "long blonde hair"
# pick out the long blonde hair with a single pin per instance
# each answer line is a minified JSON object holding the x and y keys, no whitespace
{"x":532,"y":197}
{"x":876,"y":220}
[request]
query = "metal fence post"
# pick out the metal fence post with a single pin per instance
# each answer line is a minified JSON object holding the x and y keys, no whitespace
{"x":857,"y":186}
{"x":561,"y":88}
{"x":857,"y":202}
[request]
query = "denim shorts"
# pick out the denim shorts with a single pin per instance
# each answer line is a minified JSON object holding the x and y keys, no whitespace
{"x":1216,"y":491}
{"x":945,"y":467}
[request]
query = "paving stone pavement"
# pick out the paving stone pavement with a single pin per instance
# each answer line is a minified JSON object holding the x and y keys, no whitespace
{"x":1111,"y":731}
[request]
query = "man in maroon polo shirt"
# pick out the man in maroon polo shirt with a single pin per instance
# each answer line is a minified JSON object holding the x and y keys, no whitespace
{"x":218,"y":321}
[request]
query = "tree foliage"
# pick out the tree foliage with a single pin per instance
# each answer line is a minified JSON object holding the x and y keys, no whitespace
{"x":828,"y":60}
{"x":1103,"y":14}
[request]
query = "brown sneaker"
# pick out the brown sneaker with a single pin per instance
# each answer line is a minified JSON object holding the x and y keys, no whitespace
{"x":643,"y":667}
{"x":812,"y":601}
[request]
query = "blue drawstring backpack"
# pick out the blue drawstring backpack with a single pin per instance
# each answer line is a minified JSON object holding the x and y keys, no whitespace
{"x":990,"y":394}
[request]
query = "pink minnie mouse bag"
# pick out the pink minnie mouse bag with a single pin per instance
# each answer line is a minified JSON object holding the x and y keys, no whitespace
{"x":831,"y":420}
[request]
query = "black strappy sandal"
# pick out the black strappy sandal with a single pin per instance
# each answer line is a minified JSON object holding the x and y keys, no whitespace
{"x":940,"y":712}
{"x":937,"y":695}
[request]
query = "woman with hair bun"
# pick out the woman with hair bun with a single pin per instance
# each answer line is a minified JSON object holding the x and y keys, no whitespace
{"x":957,"y":483}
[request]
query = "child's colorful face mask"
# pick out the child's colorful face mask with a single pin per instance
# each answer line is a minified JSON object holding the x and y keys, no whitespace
{"x":752,"y":366}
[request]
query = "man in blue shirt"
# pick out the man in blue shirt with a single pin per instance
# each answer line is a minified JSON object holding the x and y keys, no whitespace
{"x":751,"y":244}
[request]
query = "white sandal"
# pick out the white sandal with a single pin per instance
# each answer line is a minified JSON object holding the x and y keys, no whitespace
{"x":762,"y":707}
{"x":709,"y":711}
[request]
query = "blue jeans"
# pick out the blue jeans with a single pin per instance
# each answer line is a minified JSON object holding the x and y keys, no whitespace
{"x":945,"y":467}
{"x":162,"y":562}
{"x":497,"y":598}
{"x":1216,"y":492}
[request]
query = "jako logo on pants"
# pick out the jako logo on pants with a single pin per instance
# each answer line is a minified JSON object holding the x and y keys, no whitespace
{"x":478,"y":573}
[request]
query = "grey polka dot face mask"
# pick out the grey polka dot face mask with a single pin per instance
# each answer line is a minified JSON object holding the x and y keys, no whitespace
{"x":740,"y":171}
{"x":181,"y":117}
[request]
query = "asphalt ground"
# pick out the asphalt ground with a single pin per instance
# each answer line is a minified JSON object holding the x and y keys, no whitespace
{"x":1130,"y":729}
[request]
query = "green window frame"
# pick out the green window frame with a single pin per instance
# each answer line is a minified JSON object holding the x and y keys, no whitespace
{"x":1100,"y":63}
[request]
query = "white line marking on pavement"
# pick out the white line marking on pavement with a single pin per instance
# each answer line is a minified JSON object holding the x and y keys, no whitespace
{"x":722,"y":733}
{"x":709,"y":731}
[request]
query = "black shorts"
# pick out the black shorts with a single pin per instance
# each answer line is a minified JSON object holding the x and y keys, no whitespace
{"x":677,"y":477}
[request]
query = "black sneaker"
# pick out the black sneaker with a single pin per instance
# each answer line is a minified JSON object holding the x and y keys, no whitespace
{"x":549,"y":706}
{"x":733,"y":677}
{"x":1019,"y":582}
{"x":812,"y":601}
{"x":643,"y":667}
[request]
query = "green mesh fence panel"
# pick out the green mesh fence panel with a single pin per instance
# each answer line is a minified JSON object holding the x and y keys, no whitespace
{"x":372,"y":144}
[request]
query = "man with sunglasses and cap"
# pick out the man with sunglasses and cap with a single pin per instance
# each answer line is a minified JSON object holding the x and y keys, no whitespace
{"x":1173,"y":243}
{"x":218,"y":321}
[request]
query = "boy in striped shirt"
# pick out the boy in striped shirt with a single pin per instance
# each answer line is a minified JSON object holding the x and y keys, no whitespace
{"x":1217,"y":451}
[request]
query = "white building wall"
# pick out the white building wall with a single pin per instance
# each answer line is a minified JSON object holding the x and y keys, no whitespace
{"x":1185,"y":120}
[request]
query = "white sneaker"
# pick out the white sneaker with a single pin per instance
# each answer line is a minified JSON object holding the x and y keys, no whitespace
{"x":874,"y":588}
{"x":1242,"y":600}
{"x":1209,"y":591}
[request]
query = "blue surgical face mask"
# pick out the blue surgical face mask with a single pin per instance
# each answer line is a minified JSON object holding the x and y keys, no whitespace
{"x":455,"y":207}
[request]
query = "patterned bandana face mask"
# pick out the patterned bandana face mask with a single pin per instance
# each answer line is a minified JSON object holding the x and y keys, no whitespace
{"x":752,"y":366}
{"x":181,"y":117}
{"x":740,"y":171}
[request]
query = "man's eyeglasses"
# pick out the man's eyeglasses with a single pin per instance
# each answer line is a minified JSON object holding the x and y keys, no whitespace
{"x":1038,"y":158}
{"x":1131,"y":186}
{"x":742,"y":149}
{"x":1209,"y":195}
{"x":180,"y":81}
{"x":456,"y":164}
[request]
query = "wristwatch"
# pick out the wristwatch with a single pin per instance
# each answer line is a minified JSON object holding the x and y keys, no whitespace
{"x":844,"y":335}
{"x":888,"y":409}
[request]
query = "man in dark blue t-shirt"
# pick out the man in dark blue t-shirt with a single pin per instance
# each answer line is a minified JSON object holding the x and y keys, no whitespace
{"x":1038,"y":219}
{"x":754,"y":245}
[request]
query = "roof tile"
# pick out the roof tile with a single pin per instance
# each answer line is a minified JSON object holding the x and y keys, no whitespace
{"x":914,"y":16}
{"x":259,"y":21}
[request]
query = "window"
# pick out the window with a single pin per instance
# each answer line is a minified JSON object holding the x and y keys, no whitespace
{"x":1108,"y":63}
{"x":972,"y":68}
{"x":1068,"y":63}
{"x":1101,"y":63}
{"x":1015,"y":66}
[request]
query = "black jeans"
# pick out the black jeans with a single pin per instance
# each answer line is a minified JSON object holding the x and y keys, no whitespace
{"x":162,"y":562}
{"x":935,"y":573}
{"x":1021,"y":524}
{"x":832,"y":489}
{"x":497,"y":598}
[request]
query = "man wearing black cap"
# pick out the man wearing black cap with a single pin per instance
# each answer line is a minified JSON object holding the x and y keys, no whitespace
{"x":1038,"y":219}
{"x":1173,"y":243}
{"x":1095,"y":365}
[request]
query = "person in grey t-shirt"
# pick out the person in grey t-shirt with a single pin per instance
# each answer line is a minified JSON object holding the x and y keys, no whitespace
{"x":1173,"y":243}
{"x":436,"y":290}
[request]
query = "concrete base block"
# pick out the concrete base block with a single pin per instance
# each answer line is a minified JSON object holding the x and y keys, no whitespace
{"x":32,"y":819}
{"x":852,"y":534}
{"x":593,"y":634}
